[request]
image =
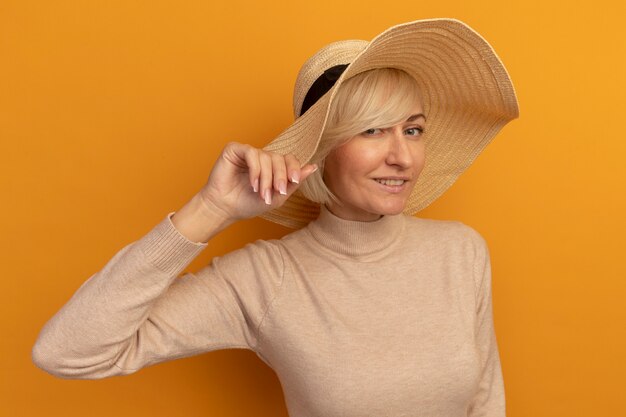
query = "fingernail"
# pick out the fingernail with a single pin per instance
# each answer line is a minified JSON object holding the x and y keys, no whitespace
{"x":268,"y":197}
{"x":295,"y":178}
{"x":282,"y":187}
{"x":255,"y":186}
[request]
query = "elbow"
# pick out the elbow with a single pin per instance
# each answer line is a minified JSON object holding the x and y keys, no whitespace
{"x":51,"y":361}
{"x":61,"y":364}
{"x":45,"y":358}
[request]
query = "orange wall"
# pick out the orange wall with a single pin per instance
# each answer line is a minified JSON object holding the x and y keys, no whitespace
{"x":112,"y":113}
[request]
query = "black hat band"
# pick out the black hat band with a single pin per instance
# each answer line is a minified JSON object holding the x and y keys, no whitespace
{"x":321,"y":86}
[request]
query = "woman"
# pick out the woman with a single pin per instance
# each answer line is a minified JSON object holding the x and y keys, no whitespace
{"x":364,"y":310}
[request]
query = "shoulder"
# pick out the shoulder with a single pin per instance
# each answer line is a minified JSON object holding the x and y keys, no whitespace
{"x":266,"y":253}
{"x":446,"y":228}
{"x":260,"y":255}
{"x":458,"y":243}
{"x":447,"y":232}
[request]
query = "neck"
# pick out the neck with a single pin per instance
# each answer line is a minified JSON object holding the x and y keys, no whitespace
{"x":362,"y":216}
{"x":360,"y":240}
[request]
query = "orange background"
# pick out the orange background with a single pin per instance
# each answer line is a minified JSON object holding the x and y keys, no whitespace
{"x":112,"y":113}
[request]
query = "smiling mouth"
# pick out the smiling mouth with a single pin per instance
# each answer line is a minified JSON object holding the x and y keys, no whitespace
{"x":389,"y":182}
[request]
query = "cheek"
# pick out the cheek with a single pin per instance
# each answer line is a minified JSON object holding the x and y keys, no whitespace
{"x":332,"y":165}
{"x":359,"y":159}
{"x":332,"y":171}
{"x":340,"y":167}
{"x":421,"y":159}
{"x":340,"y":162}
{"x":419,"y":156}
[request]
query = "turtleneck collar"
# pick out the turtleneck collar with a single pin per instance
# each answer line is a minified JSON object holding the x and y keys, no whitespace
{"x":356,"y":239}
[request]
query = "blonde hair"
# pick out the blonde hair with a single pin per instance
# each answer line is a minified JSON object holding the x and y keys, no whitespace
{"x":377,"y":98}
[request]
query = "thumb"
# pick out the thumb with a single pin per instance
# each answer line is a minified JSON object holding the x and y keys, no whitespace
{"x":307,"y":170}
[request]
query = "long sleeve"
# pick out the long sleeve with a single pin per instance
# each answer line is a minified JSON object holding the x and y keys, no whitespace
{"x":137,"y":311}
{"x":490,"y":397}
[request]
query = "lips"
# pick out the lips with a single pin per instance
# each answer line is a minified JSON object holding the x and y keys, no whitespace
{"x":393,"y":185}
{"x":386,"y":181}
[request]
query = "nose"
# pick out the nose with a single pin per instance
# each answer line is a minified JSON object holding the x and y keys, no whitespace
{"x":398,"y":152}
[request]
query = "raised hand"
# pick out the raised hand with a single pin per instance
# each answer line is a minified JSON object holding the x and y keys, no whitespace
{"x":247,"y":181}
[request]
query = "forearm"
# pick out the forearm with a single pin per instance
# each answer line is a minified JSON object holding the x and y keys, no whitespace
{"x":100,"y":322}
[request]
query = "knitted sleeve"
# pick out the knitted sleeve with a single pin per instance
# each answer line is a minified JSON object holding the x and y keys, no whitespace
{"x":137,"y":311}
{"x":489,"y":399}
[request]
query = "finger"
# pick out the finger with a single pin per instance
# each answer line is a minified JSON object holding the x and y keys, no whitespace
{"x":265,"y":177}
{"x":251,"y":156}
{"x":279,"y":168}
{"x":293,"y":168}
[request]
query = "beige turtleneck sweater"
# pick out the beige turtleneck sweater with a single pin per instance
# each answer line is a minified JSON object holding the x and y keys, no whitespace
{"x":385,"y":318}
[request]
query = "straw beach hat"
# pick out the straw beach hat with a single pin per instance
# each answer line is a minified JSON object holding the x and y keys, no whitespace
{"x":467,"y":93}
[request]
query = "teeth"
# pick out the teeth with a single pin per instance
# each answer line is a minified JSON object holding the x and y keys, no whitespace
{"x":390,"y":182}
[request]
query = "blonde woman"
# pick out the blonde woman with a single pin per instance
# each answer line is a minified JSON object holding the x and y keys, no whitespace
{"x":364,"y":309}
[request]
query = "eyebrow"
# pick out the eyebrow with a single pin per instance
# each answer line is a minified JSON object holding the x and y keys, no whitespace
{"x":415,"y":117}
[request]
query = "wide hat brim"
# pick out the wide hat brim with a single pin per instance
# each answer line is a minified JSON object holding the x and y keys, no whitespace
{"x":467,"y":93}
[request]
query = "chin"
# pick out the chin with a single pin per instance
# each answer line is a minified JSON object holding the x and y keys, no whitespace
{"x":392,"y":210}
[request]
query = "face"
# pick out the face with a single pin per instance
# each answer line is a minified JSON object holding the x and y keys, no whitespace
{"x":374,"y":173}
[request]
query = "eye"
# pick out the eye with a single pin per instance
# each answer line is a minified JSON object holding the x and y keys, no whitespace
{"x":415,"y":131}
{"x":370,"y":132}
